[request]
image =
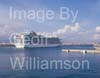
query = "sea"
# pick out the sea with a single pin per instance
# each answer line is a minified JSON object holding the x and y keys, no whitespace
{"x":70,"y":65}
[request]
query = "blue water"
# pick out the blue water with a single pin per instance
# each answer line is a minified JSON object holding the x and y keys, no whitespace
{"x":6,"y":70}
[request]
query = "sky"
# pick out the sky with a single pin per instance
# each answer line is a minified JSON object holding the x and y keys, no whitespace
{"x":84,"y":29}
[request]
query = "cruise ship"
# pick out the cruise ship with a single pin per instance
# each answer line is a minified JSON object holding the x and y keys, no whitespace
{"x":97,"y":46}
{"x":32,"y":39}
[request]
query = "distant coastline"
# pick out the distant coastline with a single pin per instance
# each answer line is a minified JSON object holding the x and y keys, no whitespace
{"x":6,"y":45}
{"x":97,"y":47}
{"x":63,"y":44}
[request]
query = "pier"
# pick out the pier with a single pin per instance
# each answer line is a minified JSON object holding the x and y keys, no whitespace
{"x":82,"y":51}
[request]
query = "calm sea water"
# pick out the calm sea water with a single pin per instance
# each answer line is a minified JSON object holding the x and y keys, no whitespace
{"x":6,"y":70}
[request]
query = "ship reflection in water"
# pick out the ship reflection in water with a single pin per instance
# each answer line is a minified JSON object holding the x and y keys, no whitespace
{"x":7,"y":54}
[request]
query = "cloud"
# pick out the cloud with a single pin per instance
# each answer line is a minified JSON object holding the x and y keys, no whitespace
{"x":8,"y":26}
{"x":97,"y":36}
{"x":62,"y":31}
{"x":98,"y":29}
{"x":67,"y":28}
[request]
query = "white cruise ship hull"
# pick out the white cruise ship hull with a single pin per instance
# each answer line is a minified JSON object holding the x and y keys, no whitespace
{"x":48,"y":45}
{"x":17,"y":45}
{"x":36,"y":46}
